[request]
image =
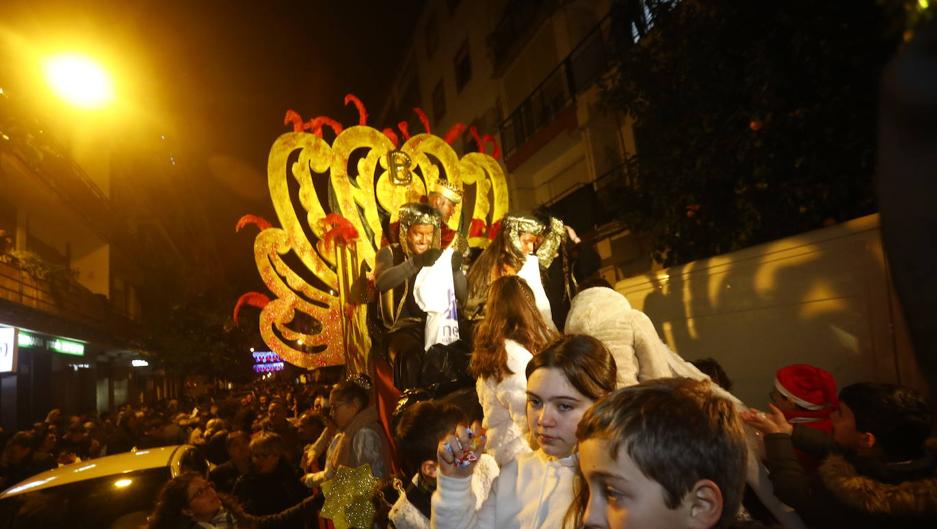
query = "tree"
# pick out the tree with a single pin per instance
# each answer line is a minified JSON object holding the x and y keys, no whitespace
{"x":753,"y":120}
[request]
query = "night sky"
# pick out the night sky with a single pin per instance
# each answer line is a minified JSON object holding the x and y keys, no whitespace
{"x":218,"y":76}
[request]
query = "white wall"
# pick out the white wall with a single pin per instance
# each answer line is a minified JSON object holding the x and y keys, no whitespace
{"x":822,"y":297}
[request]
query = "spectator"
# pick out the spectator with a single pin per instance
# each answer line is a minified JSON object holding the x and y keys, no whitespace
{"x":419,"y":431}
{"x":17,"y":461}
{"x":273,"y":483}
{"x":278,"y":423}
{"x":536,"y":489}
{"x":664,"y":453}
{"x":711,"y":368}
{"x":225,"y":475}
{"x":190,"y":502}
{"x":876,"y":470}
{"x":359,"y":438}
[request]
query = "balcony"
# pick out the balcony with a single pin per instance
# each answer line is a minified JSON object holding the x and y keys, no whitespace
{"x":550,"y":107}
{"x":46,"y":297}
{"x":590,"y":206}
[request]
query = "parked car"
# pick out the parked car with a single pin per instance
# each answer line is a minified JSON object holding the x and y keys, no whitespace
{"x":112,"y":492}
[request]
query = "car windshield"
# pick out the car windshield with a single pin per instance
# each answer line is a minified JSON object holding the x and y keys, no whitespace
{"x":121,"y":501}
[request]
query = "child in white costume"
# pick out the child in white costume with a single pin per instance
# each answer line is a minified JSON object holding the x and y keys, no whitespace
{"x":534,"y":490}
{"x":629,"y":334}
{"x":640,"y":355}
{"x":505,"y":342}
{"x":418,"y":432}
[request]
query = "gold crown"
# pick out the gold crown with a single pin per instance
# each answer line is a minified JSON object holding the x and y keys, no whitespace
{"x":449,"y":190}
{"x":417,"y":213}
{"x":516,"y":224}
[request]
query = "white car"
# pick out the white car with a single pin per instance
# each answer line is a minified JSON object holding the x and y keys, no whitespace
{"x":112,"y":492}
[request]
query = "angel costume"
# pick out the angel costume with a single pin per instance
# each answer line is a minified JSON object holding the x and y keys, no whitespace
{"x":640,"y":355}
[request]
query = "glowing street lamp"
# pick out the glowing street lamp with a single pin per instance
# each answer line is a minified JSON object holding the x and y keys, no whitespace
{"x":79,"y":80}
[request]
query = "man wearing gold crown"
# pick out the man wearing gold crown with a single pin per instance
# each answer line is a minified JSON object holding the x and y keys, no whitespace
{"x":444,"y":197}
{"x":395,"y":272}
{"x":522,"y":247}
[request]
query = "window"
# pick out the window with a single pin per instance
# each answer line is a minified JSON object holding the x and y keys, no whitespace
{"x":463,"y":67}
{"x":431,"y":34}
{"x":439,"y":102}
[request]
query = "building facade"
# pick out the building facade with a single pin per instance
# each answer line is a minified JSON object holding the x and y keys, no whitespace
{"x":527,"y":72}
{"x":70,"y":310}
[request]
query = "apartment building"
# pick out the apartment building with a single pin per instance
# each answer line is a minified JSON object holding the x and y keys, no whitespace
{"x":528,"y":72}
{"x":70,"y":309}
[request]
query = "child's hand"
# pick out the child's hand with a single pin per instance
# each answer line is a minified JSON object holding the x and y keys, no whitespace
{"x":772,"y":422}
{"x":459,"y":453}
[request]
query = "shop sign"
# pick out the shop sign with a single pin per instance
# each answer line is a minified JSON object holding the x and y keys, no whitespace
{"x":7,"y":349}
{"x":59,"y":345}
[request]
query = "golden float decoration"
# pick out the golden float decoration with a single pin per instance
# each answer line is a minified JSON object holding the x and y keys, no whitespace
{"x":319,"y":280}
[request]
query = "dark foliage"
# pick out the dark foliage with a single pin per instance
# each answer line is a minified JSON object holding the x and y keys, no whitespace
{"x":754,"y":120}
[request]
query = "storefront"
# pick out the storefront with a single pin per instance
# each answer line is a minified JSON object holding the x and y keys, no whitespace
{"x":40,"y":371}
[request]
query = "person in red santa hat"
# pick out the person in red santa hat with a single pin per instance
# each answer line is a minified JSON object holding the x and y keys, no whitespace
{"x":806,"y":395}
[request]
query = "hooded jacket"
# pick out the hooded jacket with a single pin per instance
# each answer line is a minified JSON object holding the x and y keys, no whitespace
{"x":852,"y":492}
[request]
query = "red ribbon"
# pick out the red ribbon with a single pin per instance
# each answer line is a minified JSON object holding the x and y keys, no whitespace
{"x":477,"y":228}
{"x":478,"y":139}
{"x":404,"y":129}
{"x":362,"y":112}
{"x":454,"y":132}
{"x":338,"y":230}
{"x":315,"y":125}
{"x":389,"y":132}
{"x":424,"y":119}
{"x":293,"y":117}
{"x":494,"y":230}
{"x":256,"y":220}
{"x":253,"y":299}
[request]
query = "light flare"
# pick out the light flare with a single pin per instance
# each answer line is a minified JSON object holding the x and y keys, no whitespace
{"x":79,"y":80}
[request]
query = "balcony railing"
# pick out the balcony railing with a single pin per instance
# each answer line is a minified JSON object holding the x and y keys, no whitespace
{"x":577,"y":72}
{"x":594,"y":204}
{"x":52,"y":291}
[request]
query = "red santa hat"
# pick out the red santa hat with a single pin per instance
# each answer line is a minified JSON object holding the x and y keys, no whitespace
{"x":807,"y":386}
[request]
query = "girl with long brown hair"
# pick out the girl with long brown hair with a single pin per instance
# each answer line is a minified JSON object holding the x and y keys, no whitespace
{"x":511,"y":334}
{"x":536,"y":489}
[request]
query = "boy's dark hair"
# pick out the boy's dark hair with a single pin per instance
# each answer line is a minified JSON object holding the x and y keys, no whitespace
{"x":420,"y":429}
{"x":677,"y":432}
{"x":713,"y":369}
{"x":897,"y":416}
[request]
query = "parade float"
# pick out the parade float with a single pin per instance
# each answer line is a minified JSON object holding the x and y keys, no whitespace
{"x":334,"y":200}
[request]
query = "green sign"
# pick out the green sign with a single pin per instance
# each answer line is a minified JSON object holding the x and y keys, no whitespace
{"x":59,"y":345}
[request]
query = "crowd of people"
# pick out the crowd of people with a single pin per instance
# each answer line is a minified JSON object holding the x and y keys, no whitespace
{"x":525,"y":393}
